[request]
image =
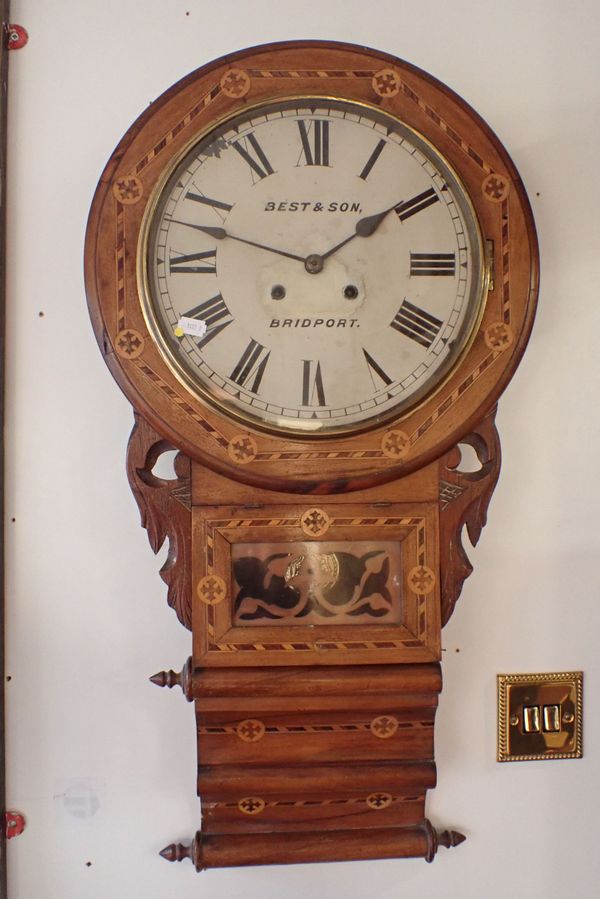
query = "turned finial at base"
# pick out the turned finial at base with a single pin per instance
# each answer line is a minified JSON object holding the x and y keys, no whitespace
{"x":176,"y":852}
{"x":450,"y":838}
{"x":437,"y":838}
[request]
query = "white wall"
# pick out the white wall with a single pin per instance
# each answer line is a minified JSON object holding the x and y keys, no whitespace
{"x":87,"y":616}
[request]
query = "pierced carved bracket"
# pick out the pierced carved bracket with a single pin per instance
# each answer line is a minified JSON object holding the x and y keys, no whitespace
{"x":165,"y":509}
{"x":464,"y":501}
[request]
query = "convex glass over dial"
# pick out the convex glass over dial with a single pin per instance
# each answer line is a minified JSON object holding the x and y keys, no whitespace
{"x":312,"y":266}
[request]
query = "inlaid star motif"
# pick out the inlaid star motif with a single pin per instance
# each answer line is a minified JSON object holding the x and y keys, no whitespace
{"x":242,"y":449}
{"x":384,"y":726}
{"x":421,"y":579}
{"x":129,"y":343}
{"x":315,"y":522}
{"x":211,"y":589}
{"x":128,"y":189}
{"x":498,"y":336}
{"x":251,"y":805}
{"x":235,"y":83}
{"x":386,"y":83}
{"x":495,"y":187}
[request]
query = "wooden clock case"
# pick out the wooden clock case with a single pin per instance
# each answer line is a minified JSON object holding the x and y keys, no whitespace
{"x":315,"y":741}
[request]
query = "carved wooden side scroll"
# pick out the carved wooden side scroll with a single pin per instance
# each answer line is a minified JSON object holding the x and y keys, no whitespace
{"x":165,"y":509}
{"x":464,"y":501}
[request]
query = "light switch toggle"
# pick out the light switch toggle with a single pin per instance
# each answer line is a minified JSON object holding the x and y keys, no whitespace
{"x":531,"y":719}
{"x":551,"y":719}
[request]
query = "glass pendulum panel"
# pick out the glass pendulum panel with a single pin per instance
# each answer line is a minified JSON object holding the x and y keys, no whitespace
{"x":324,"y":583}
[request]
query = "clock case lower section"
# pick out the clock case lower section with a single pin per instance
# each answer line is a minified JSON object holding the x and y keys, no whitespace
{"x":313,"y":764}
{"x":315,"y":742}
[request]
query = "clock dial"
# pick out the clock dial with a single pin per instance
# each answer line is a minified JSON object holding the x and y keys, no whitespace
{"x":313,"y":266}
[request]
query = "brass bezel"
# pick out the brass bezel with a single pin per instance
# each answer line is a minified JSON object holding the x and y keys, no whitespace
{"x":305,"y":429}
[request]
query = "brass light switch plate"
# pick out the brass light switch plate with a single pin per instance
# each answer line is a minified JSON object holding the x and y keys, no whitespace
{"x":540,"y":716}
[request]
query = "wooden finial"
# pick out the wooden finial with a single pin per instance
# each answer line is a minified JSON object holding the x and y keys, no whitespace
{"x":437,"y":838}
{"x":166,"y":679}
{"x":174,"y":679}
{"x":176,"y":852}
{"x":450,"y":838}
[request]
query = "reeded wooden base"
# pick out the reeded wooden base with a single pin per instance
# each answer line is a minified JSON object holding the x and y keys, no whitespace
{"x":228,"y":850}
{"x":312,"y":764}
{"x":311,"y":750}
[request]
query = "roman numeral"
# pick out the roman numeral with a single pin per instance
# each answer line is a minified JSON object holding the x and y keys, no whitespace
{"x":254,"y":155}
{"x":414,"y":322}
{"x":182,"y":264}
{"x":312,"y":384}
{"x":433,"y":264}
{"x":372,"y":160}
{"x":318,"y":153}
{"x":208,"y":201}
{"x":376,"y":370}
{"x":215,"y":314}
{"x":251,"y":366}
{"x":411,"y":207}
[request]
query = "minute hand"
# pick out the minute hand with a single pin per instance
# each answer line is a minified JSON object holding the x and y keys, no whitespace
{"x":221,"y":234}
{"x":363,"y":228}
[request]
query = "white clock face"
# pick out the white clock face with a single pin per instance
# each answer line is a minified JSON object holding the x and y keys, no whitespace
{"x":312,"y":266}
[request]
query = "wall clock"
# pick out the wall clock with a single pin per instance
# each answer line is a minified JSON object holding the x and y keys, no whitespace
{"x":312,"y":269}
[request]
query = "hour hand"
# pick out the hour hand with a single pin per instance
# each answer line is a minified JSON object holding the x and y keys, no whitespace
{"x":222,"y":234}
{"x":369,"y":224}
{"x":363,"y":228}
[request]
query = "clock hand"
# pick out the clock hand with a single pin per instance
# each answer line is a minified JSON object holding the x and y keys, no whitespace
{"x":314,"y":261}
{"x":221,"y":234}
{"x":363,"y":228}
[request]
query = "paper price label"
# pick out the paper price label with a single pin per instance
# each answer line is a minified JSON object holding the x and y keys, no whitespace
{"x":193,"y":326}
